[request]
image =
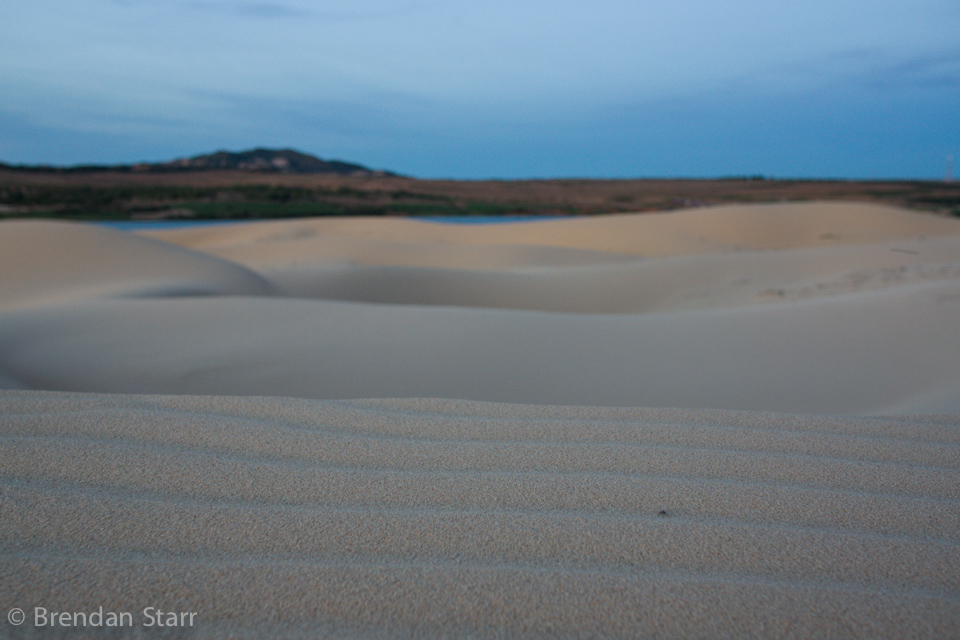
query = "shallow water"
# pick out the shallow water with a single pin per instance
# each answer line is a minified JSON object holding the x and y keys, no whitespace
{"x":141,"y":225}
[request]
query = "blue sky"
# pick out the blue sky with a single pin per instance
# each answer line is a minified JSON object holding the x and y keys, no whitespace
{"x":525,"y":88}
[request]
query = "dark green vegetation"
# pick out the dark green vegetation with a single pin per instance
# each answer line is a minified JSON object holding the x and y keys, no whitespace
{"x":240,"y":194}
{"x":237,"y":202}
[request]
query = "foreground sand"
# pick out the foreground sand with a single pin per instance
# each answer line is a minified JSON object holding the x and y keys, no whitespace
{"x":763,"y":509}
{"x":437,"y":518}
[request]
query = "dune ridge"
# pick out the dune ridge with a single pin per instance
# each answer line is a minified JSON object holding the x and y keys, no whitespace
{"x":758,"y":227}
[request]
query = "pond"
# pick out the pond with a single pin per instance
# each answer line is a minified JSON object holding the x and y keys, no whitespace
{"x":143,"y":225}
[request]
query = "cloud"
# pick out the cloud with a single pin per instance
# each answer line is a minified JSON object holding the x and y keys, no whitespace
{"x":875,"y":69}
{"x":251,"y":9}
{"x":940,"y":70}
{"x":268,"y":10}
{"x":279,"y":10}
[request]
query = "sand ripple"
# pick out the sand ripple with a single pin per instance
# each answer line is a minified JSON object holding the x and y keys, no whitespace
{"x":434,"y":518}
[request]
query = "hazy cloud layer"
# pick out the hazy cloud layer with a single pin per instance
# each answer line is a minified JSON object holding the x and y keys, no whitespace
{"x":254,"y":9}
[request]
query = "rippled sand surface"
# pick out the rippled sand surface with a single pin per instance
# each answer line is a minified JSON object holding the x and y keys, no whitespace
{"x":438,"y":518}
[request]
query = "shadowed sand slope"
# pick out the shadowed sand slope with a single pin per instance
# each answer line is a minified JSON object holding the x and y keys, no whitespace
{"x":49,"y":262}
{"x":430,"y":518}
{"x":679,"y":283}
{"x":860,"y":353}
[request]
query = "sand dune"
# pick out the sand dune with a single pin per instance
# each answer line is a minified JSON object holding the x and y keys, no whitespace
{"x":270,"y":491}
{"x":856,"y":316}
{"x":685,"y":232}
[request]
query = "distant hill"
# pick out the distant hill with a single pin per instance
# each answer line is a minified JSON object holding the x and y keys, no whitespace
{"x":282,"y":160}
{"x":259,"y":160}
